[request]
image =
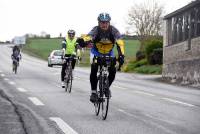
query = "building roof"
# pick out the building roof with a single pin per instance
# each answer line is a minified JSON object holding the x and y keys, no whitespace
{"x":190,"y":5}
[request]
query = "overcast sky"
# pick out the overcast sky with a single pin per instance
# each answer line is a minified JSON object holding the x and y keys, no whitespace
{"x":19,"y":17}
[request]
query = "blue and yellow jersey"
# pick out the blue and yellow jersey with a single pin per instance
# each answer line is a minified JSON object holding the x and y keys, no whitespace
{"x":104,"y":41}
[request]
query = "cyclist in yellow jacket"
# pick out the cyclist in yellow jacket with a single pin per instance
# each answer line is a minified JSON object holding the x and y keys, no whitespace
{"x":104,"y":37}
{"x":69,"y":45}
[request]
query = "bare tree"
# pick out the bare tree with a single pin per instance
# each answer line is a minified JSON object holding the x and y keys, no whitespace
{"x":146,"y":19}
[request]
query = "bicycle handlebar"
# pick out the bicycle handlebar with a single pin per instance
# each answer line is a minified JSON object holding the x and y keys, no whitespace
{"x":71,"y":57}
{"x":106,"y":57}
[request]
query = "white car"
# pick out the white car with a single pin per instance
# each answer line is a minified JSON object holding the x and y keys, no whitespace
{"x":55,"y":58}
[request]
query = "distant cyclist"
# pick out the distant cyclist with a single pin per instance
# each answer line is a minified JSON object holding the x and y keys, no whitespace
{"x":69,"y":45}
{"x":16,"y":55}
{"x":104,"y":37}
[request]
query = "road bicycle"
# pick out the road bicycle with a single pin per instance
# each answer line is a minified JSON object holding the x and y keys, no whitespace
{"x":103,"y":93}
{"x":68,"y":73}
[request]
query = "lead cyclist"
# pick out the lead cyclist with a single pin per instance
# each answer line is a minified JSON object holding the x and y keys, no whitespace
{"x":103,"y":36}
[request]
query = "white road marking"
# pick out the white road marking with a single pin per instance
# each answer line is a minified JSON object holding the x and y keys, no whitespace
{"x":2,"y":75}
{"x":145,"y":93}
{"x":121,"y":110}
{"x":77,"y":77}
{"x":167,"y":121}
{"x":139,"y":92}
{"x":179,"y":102}
{"x":119,"y":87}
{"x":6,"y":79}
{"x":151,"y":122}
{"x":36,"y":101}
{"x":63,"y":126}
{"x":21,"y":89}
{"x":12,"y":83}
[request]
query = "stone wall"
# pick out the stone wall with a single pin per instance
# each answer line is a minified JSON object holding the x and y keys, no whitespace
{"x":181,"y":64}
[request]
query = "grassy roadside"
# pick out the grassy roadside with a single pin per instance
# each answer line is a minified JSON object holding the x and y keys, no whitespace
{"x":142,"y":67}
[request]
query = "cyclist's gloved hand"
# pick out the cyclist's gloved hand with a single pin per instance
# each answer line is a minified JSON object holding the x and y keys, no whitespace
{"x":81,"y":42}
{"x":121,"y":59}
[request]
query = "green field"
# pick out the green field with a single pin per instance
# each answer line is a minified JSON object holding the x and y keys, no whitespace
{"x":42,"y":47}
{"x":131,"y":47}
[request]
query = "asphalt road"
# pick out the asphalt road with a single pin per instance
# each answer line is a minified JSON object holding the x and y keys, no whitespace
{"x":139,"y":105}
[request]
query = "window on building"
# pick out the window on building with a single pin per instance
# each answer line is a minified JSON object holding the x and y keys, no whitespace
{"x":186,"y":26}
{"x":192,"y":19}
{"x":180,"y":28}
{"x":174,"y":29}
{"x":170,"y":27}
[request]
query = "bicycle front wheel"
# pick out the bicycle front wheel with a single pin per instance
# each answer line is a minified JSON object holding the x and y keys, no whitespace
{"x":68,"y":86}
{"x":66,"y":81}
{"x":70,"y":82}
{"x":97,"y":108}
{"x":105,"y":99}
{"x":104,"y":107}
{"x":15,"y":68}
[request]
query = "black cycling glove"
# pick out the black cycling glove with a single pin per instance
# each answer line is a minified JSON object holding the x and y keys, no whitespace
{"x":121,"y":59}
{"x":81,"y":42}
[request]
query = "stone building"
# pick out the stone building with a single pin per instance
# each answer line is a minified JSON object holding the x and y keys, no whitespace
{"x":181,"y":51}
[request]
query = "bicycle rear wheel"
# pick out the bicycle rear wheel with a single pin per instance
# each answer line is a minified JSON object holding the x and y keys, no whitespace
{"x":97,"y":105}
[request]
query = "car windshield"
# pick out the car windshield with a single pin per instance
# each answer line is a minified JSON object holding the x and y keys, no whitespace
{"x":58,"y":53}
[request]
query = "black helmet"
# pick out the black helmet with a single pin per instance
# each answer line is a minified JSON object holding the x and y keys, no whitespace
{"x":104,"y":17}
{"x":71,"y":32}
